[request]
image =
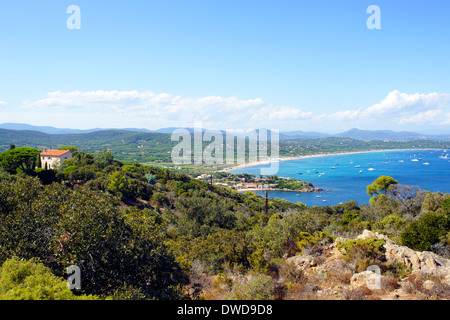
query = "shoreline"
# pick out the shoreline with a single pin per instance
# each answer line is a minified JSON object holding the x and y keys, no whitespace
{"x":265,"y":162}
{"x":305,"y":190}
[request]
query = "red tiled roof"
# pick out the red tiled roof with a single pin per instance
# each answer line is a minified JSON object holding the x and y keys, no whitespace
{"x":54,"y":153}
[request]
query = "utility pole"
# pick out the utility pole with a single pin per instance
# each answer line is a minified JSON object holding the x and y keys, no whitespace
{"x":267,"y":209}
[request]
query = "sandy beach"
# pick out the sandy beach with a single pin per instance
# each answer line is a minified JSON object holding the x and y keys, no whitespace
{"x":252,"y":164}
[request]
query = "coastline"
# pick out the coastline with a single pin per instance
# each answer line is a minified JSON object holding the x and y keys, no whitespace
{"x":304,"y":190}
{"x":265,"y":162}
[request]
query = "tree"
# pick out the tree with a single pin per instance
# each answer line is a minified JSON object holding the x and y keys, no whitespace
{"x":69,"y":148}
{"x":23,"y":158}
{"x":118,"y":183}
{"x":151,"y":178}
{"x":61,"y":227}
{"x":381,"y":185}
{"x":104,"y":158}
{"x":410,"y":198}
{"x":446,"y":206}
{"x":202,"y":216}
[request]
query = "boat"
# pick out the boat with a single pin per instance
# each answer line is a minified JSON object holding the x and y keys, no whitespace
{"x":371,"y":169}
{"x":318,"y":196}
{"x":415,"y":160}
{"x":358,"y":166}
{"x":333,"y":167}
{"x":360,"y":171}
{"x":401,"y":161}
{"x":426,"y":163}
{"x":444,"y":157}
{"x":324,"y":200}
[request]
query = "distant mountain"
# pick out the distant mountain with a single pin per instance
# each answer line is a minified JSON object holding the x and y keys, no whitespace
{"x":53,"y":130}
{"x":388,"y":135}
{"x":356,"y":134}
{"x":304,"y":135}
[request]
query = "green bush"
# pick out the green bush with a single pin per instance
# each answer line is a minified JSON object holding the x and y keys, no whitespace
{"x":421,"y":234}
{"x":361,"y":253}
{"x":30,"y":280}
{"x":305,"y":240}
{"x":259,"y":287}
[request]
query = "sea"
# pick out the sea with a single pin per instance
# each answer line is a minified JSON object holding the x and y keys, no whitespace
{"x":344,"y":177}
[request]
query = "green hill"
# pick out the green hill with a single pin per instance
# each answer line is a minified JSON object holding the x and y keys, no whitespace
{"x":150,"y":147}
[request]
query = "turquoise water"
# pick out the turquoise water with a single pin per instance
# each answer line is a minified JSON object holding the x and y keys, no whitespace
{"x":345,"y":177}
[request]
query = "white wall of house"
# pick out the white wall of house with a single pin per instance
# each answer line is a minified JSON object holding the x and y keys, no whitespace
{"x":53,"y":161}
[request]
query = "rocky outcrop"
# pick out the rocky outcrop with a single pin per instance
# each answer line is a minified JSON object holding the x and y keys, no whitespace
{"x":425,"y":261}
{"x":335,"y":278}
{"x":371,"y":279}
{"x":310,"y":189}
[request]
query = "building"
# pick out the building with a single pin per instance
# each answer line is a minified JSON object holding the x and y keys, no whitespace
{"x":53,"y":158}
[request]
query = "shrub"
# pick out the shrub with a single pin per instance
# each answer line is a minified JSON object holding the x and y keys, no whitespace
{"x":361,"y":253}
{"x":30,"y":280}
{"x":258,"y":287}
{"x":306,"y":240}
{"x":397,"y":270}
{"x":421,"y":234}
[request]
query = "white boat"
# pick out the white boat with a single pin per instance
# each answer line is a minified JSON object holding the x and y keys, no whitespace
{"x":371,"y":169}
{"x":415,"y":160}
{"x":401,"y":161}
{"x":426,"y":163}
{"x":444,"y":157}
{"x":360,"y":171}
{"x":357,"y":166}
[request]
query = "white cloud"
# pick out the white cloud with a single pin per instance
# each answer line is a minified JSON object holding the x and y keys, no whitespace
{"x":164,"y":108}
{"x":118,"y":109}
{"x":398,"y":109}
{"x":403,"y":104}
{"x":287,"y":113}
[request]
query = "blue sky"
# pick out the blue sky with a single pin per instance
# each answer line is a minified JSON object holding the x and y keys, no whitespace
{"x":288,"y":65}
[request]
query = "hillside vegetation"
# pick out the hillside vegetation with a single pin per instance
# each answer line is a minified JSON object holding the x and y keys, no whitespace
{"x":144,"y":232}
{"x":156,"y":148}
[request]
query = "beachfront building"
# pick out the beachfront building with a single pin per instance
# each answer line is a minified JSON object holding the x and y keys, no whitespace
{"x":53,"y":158}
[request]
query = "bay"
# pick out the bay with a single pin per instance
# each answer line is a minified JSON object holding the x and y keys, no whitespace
{"x":345,"y":177}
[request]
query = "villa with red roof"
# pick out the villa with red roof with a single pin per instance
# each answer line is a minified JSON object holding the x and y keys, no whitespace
{"x":53,"y":158}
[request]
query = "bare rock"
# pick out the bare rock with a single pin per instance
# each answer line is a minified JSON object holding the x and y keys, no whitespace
{"x":428,"y":285}
{"x":425,"y":261}
{"x":370,"y":279}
